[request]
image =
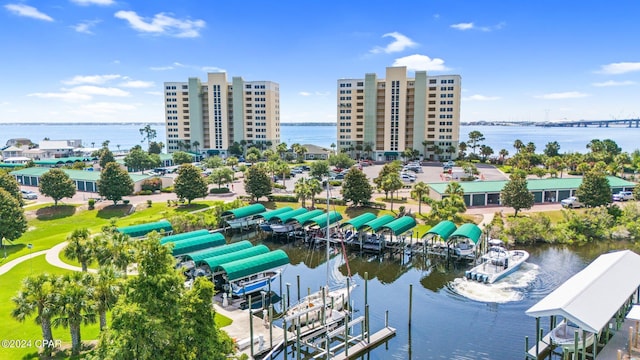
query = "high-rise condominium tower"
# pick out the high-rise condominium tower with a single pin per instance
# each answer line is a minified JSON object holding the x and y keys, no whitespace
{"x":381,"y":118}
{"x":209,"y":117}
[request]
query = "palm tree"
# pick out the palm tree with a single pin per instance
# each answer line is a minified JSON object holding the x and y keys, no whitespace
{"x":38,"y":294}
{"x":518,"y":145}
{"x":119,"y":252}
{"x":462,"y":149}
{"x":424,"y":144}
{"x":281,"y":149}
{"x":243,"y":143}
{"x":302,"y":190}
{"x":196,"y":144}
{"x":368,"y":147}
{"x":419,"y":191}
{"x":79,"y":248}
{"x":269,"y":143}
{"x":454,"y":188}
{"x":503,"y":154}
{"x":74,"y":306}
{"x":315,"y":188}
{"x":333,"y":148}
{"x":105,"y":293}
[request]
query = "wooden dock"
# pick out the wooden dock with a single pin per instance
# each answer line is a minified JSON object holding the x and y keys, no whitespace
{"x":543,"y":346}
{"x":376,"y":339}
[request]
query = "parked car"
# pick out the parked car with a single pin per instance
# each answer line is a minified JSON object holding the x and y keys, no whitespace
{"x":407,"y":177}
{"x":571,"y":203}
{"x":623,"y":196}
{"x":29,"y":195}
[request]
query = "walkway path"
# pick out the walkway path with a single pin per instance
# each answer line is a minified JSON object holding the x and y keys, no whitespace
{"x":53,"y":258}
{"x":8,"y":266}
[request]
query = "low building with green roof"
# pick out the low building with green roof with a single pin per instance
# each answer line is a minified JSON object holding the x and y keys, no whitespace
{"x":552,"y":190}
{"x":85,"y":180}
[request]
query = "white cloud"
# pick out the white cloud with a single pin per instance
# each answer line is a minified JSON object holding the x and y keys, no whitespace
{"x":420,"y":62}
{"x":463,"y":26}
{"x":620,"y":68}
{"x":93,"y":2}
{"x":138,"y":84}
{"x":97,"y":90}
{"x":27,"y":11}
{"x":479,"y":97}
{"x":85,"y":26}
{"x":91,"y":79}
{"x":65,"y":96}
{"x":212,"y":69}
{"x":162,"y":24}
{"x":161,"y":68}
{"x":400,"y":43}
{"x":562,"y":95}
{"x":614,"y":83}
{"x":304,"y":93}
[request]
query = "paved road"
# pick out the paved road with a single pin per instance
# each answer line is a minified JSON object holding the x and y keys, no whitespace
{"x":11,"y":264}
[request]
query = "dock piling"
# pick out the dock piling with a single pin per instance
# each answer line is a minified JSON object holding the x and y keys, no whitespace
{"x":251,"y":326}
{"x":410,"y":302}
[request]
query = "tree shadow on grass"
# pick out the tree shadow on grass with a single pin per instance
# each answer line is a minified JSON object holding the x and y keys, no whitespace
{"x":10,"y":248}
{"x":114,"y":211}
{"x":192,"y":207}
{"x":55,"y":212}
{"x":357,"y":211}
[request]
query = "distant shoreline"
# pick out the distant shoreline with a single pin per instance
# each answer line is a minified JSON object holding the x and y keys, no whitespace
{"x":151,"y":123}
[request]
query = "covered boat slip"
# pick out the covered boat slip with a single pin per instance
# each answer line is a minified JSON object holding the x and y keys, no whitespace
{"x":268,"y":215}
{"x":182,"y":236}
{"x":373,"y":234}
{"x":200,"y":255}
{"x":243,"y":217}
{"x":580,"y":301}
{"x":446,"y":240}
{"x":141,"y":230}
{"x":214,"y":262}
{"x":182,"y":247}
{"x":254,"y":273}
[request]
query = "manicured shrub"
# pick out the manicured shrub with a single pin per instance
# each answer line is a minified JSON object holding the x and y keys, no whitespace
{"x":145,"y":192}
{"x":152,"y":184}
{"x":168,"y":189}
{"x":282,"y":198}
{"x":92,"y":204}
{"x":223,"y":190}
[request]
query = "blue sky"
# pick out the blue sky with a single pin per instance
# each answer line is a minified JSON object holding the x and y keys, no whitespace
{"x":106,"y":60}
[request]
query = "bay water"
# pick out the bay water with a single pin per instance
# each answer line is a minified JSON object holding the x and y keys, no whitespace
{"x":498,"y":137}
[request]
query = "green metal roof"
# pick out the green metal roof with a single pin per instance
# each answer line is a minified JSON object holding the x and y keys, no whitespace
{"x":77,"y":175}
{"x":198,"y":256}
{"x":242,"y":268}
{"x":67,"y":160}
{"x":302,"y":218}
{"x":321,"y":220}
{"x":245,"y":211}
{"x":270,"y":214}
{"x":197,"y":243}
{"x":358,"y":221}
{"x":444,"y":229}
{"x":215,"y":261}
{"x":183,"y":236}
{"x":10,"y":165}
{"x":289,"y":215}
{"x":471,"y":187}
{"x":469,"y":231}
{"x":376,"y":224}
{"x":401,"y":225}
{"x":143,"y":229}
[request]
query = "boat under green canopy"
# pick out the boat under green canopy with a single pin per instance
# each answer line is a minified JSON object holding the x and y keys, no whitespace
{"x":302,"y":218}
{"x":256,"y":264}
{"x":245,"y":211}
{"x":443,"y":229}
{"x":289,"y":215}
{"x":182,"y":236}
{"x":215,"y":261}
{"x":400,"y":226}
{"x":143,"y":229}
{"x":469,"y":231}
{"x":198,"y":256}
{"x":376,"y":224}
{"x":268,"y":215}
{"x":321,"y":220}
{"x":183,"y":247}
{"x":358,"y":221}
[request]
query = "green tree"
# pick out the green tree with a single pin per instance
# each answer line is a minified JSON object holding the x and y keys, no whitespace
{"x":114,"y":183}
{"x":232,"y":161}
{"x":56,"y":184}
{"x":390,"y":184}
{"x":319,"y":168}
{"x":38,"y":294}
{"x":13,"y":223}
{"x":189,"y":184}
{"x":156,"y":147}
{"x":75,"y":306}
{"x":552,"y":149}
{"x":341,"y":160}
{"x":10,"y":185}
{"x":148,"y":134}
{"x":257,"y":183}
{"x":454,"y":188}
{"x":223,"y":175}
{"x":138,"y":160}
{"x":302,"y":190}
{"x":518,"y":145}
{"x":356,"y":187}
{"x":515,"y":193}
{"x":202,"y":338}
{"x":106,"y":156}
{"x":315,"y":188}
{"x":214,"y":162}
{"x":475,"y":137}
{"x":420,"y":190}
{"x":181,"y":157}
{"x":594,"y":189}
{"x":79,"y":247}
{"x":106,"y":288}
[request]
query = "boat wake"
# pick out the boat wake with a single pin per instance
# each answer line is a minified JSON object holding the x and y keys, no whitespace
{"x":510,"y":289}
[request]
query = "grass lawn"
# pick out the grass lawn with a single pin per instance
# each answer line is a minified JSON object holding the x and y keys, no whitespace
{"x":29,"y":330}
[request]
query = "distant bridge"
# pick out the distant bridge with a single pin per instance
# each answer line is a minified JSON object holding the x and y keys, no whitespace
{"x":599,"y":123}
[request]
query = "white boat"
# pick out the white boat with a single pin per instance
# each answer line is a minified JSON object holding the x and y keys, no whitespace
{"x":497,"y":263}
{"x":282,"y":228}
{"x":244,"y":222}
{"x":564,"y":335}
{"x":464,"y":249}
{"x":254,"y":283}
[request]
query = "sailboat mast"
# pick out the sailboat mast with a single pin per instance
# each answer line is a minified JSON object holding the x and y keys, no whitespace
{"x":328,"y":223}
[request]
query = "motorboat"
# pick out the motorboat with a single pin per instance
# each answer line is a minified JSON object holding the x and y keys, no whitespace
{"x":309,"y":308}
{"x":564,"y":335}
{"x":253,"y":283}
{"x":497,"y":263}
